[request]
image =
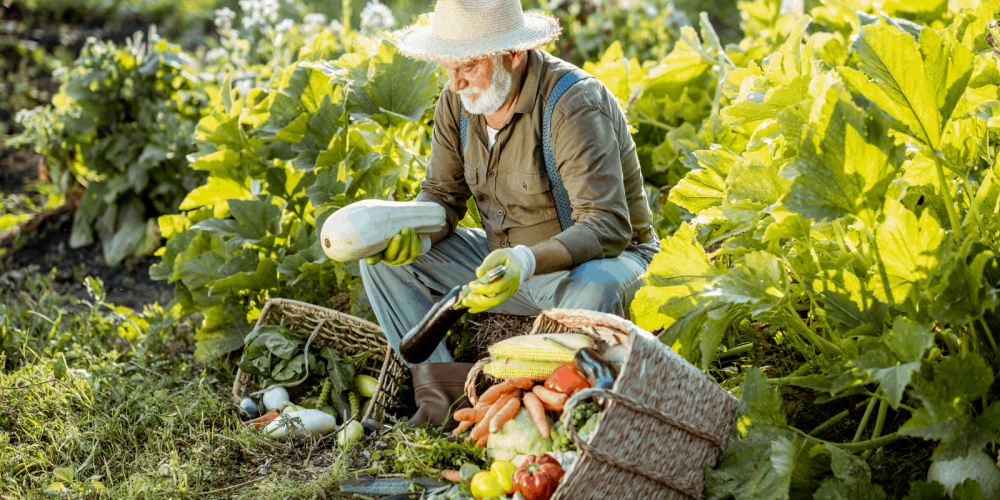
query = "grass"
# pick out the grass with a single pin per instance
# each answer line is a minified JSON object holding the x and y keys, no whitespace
{"x":97,"y":401}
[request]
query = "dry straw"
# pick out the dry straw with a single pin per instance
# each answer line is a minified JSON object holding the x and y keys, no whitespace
{"x":348,"y":335}
{"x":464,"y":30}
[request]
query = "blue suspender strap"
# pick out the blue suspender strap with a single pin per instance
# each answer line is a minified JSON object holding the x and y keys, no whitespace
{"x":563,"y":207}
{"x":559,"y":195}
{"x":463,"y":127}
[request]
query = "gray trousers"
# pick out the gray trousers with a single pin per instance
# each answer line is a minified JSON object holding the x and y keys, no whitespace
{"x":401,"y":295}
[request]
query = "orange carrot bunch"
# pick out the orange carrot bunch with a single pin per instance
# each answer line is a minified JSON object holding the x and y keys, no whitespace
{"x":501,"y":402}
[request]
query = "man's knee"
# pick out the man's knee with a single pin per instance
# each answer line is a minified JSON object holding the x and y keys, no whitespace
{"x":596,"y":291}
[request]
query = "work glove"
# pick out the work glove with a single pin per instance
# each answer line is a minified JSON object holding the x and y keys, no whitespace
{"x":520,"y":264}
{"x":403,"y":248}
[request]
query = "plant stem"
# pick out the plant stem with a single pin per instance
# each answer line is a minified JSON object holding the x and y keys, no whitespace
{"x":825,"y":346}
{"x":883,"y":408}
{"x":864,"y":419}
{"x":736,"y":351}
{"x":949,"y":204}
{"x":989,"y":335}
{"x":881,"y":397}
{"x":830,"y":421}
{"x":867,"y":445}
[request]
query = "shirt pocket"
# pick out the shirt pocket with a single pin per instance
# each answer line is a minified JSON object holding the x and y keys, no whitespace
{"x":531,"y":198}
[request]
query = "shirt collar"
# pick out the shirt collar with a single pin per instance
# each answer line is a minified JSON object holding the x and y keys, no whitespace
{"x":526,"y":100}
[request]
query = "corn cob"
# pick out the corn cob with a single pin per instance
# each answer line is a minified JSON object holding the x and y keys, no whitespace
{"x":506,"y":368}
{"x":550,"y":347}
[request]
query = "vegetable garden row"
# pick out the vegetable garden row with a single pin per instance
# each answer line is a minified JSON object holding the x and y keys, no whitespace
{"x":826,"y":193}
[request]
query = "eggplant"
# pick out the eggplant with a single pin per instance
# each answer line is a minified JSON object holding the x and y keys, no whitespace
{"x":599,"y":371}
{"x":420,"y":342}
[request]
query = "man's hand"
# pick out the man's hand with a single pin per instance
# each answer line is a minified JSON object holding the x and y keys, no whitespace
{"x":403,"y":249}
{"x":520,"y":262}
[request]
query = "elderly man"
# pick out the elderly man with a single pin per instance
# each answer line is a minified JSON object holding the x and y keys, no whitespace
{"x":545,"y":151}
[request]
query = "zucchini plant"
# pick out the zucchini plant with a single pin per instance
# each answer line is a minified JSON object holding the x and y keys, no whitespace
{"x":280,"y":158}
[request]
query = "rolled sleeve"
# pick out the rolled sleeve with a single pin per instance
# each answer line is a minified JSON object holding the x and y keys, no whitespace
{"x":586,"y":148}
{"x":444,"y":182}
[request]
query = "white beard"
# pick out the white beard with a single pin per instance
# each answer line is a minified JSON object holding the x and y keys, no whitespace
{"x":490,"y":99}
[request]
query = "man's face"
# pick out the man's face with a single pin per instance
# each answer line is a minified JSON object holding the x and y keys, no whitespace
{"x":484,"y":84}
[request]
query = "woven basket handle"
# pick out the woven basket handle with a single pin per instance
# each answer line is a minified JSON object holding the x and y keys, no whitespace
{"x":621,"y":463}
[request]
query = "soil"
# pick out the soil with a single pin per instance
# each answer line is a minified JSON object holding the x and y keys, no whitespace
{"x":48,"y":248}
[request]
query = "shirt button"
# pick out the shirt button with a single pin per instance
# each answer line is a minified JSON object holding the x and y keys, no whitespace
{"x":503,"y":243}
{"x":524,"y":186}
{"x":499,"y":212}
{"x":489,"y":174}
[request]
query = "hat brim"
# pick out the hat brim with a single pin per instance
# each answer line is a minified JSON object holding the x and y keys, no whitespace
{"x":419,"y":42}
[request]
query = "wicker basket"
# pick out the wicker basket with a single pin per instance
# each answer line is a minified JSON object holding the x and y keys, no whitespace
{"x":347,"y":335}
{"x":665,"y":420}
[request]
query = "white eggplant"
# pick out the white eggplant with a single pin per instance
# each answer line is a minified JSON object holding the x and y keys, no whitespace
{"x":301,"y":423}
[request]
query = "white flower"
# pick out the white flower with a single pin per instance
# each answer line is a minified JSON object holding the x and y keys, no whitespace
{"x":216,"y":54}
{"x":314,"y":21}
{"x":376,"y":17}
{"x":335,"y":26}
{"x":258,"y":12}
{"x":224,"y":18}
{"x":285,"y":25}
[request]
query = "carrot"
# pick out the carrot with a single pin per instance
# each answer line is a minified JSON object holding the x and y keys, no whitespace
{"x":482,"y":441}
{"x":521,"y":382}
{"x":451,"y":475}
{"x":493,"y":393}
{"x":465,"y":424}
{"x":537,"y":412}
{"x":473,"y":415}
{"x":551,"y":400}
{"x":483,"y":427}
{"x":506,"y":413}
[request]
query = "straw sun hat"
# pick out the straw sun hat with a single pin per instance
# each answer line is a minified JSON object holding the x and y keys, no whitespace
{"x":470,"y":29}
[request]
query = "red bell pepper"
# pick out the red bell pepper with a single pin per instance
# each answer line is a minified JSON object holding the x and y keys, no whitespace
{"x":566,"y":380}
{"x":538,"y":477}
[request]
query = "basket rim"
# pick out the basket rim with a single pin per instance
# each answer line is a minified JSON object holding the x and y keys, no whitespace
{"x":242,"y":378}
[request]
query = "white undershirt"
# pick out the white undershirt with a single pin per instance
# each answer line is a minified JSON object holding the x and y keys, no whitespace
{"x":492,"y":132}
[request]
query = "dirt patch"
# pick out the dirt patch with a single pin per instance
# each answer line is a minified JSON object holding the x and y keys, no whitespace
{"x":48,"y":247}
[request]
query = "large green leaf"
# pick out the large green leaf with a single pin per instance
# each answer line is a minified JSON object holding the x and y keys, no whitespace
{"x":759,"y":281}
{"x":673,"y":281}
{"x":843,"y":298}
{"x":911,"y":249}
{"x":840,"y":174}
{"x":945,"y":397}
{"x":918,"y":84}
{"x":396,"y":87}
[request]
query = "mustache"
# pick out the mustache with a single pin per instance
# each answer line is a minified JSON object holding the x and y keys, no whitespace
{"x":468,"y":91}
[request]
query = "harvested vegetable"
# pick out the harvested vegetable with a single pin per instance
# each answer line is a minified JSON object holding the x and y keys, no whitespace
{"x":419,"y":343}
{"x":567,"y":380}
{"x":519,"y":436}
{"x":483,"y":427}
{"x":474,"y":414}
{"x":537,"y":412}
{"x":507,"y":368}
{"x":366,"y":385}
{"x":451,"y":475}
{"x":538,"y":477}
{"x":493,"y":393}
{"x":301,"y":423}
{"x":462,"y":425}
{"x":275,"y":398}
{"x":481,"y":442}
{"x":505,"y":414}
{"x":522,"y":383}
{"x":504,"y":472}
{"x":249,"y":409}
{"x":364,"y":228}
{"x":553,"y":401}
{"x":350,"y":433}
{"x":976,"y":465}
{"x":263,"y":420}
{"x":552,"y":347}
{"x":485,"y":484}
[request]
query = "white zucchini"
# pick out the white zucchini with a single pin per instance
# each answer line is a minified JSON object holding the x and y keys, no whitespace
{"x":275,"y":398}
{"x":364,"y":228}
{"x":301,"y":423}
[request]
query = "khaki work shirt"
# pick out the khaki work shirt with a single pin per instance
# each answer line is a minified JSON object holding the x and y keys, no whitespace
{"x":596,"y":159}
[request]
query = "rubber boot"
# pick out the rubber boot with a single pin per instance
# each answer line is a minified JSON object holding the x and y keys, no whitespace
{"x":436,"y":387}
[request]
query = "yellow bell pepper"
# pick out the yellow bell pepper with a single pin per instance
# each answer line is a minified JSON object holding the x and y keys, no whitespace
{"x":505,"y":474}
{"x":485,"y":484}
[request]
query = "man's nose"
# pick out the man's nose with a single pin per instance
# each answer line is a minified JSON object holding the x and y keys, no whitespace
{"x":455,"y":83}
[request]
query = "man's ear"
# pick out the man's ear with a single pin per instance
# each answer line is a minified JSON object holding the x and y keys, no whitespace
{"x":512,"y":60}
